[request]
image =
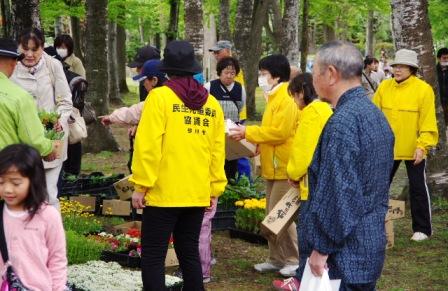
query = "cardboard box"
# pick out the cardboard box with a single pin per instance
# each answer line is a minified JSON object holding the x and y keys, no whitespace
{"x":88,"y":201}
{"x":124,"y":188}
{"x":281,"y":216}
{"x":237,"y":149}
{"x":396,"y":209}
{"x":116,"y":207}
{"x":124,"y":227}
{"x":389,"y":234}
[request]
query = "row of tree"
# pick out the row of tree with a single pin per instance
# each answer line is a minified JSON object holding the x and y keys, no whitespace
{"x":107,"y":33}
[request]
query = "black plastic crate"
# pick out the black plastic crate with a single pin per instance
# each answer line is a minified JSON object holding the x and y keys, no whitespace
{"x":121,"y":258}
{"x":248,"y":236}
{"x":224,"y":219}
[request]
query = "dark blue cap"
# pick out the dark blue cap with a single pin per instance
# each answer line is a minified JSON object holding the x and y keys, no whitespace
{"x":150,"y":69}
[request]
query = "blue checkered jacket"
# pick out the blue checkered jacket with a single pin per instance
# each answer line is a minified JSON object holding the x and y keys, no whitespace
{"x":349,"y":183}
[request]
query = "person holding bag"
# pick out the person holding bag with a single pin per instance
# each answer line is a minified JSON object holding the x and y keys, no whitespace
{"x":32,"y":237}
{"x":43,"y":77}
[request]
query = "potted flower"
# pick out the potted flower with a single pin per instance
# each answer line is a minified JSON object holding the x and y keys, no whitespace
{"x":248,"y":217}
{"x":49,"y":121}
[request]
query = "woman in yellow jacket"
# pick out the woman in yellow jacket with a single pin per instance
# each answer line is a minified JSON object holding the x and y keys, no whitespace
{"x":274,"y":138}
{"x":409,"y":106}
{"x":178,"y":167}
{"x":314,"y":115}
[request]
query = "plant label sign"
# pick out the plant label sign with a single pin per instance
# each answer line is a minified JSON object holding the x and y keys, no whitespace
{"x":396,"y":209}
{"x":116,"y":207}
{"x":124,"y":188}
{"x":282,"y":215}
{"x":87,"y":201}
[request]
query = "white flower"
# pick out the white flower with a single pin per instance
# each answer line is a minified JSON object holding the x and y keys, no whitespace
{"x":99,"y":275}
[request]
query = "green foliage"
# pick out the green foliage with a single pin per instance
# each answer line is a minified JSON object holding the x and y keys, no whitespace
{"x":75,"y":218}
{"x":439,"y":22}
{"x":249,"y":219}
{"x":243,"y":189}
{"x":80,"y":249}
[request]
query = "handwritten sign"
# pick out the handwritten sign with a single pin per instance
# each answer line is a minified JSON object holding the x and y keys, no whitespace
{"x":124,"y":188}
{"x":396,"y":209}
{"x":389,"y":234}
{"x":282,"y":215}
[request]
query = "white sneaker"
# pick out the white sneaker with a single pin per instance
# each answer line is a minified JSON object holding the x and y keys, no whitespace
{"x":266,"y":267}
{"x":419,"y":236}
{"x":289,"y":270}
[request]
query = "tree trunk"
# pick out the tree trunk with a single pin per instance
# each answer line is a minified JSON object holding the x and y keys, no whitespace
{"x":248,"y":28}
{"x":141,"y":31}
{"x":290,"y":35}
{"x":305,"y":35}
{"x":224,"y":20}
{"x":114,"y":91}
{"x":412,"y":30}
{"x":25,"y":15}
{"x":194,"y":27}
{"x":370,"y":34}
{"x":100,"y":137}
{"x":7,"y":25}
{"x":329,"y":33}
{"x":174,"y":20}
{"x":121,"y":59}
{"x":77,"y":39}
{"x":59,"y":26}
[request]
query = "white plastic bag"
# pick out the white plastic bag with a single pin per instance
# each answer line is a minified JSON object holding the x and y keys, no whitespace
{"x":310,"y":282}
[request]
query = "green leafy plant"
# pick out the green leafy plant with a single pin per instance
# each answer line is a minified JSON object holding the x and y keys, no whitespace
{"x":49,"y":120}
{"x":80,"y":249}
{"x":242,"y":189}
{"x":75,"y":218}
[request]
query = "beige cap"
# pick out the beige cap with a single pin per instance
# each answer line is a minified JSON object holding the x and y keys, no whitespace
{"x":405,"y":57}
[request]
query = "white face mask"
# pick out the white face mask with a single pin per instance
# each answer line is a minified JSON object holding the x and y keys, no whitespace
{"x":62,"y":52}
{"x":263,"y":83}
{"x":444,"y":64}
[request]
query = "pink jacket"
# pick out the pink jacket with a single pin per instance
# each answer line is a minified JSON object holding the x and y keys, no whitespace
{"x":36,"y":249}
{"x":127,"y":115}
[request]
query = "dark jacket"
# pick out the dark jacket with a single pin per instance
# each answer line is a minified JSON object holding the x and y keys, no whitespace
{"x":442,"y":79}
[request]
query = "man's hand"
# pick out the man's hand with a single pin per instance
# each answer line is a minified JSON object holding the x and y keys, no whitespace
{"x":294,"y":184}
{"x":105,"y":120}
{"x":419,"y":155}
{"x":138,"y":200}
{"x":238,"y":133}
{"x":318,"y":263}
{"x":51,"y":156}
{"x":213,"y":202}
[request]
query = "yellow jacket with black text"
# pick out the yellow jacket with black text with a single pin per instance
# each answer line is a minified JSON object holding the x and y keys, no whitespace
{"x":275,"y":135}
{"x":179,"y":153}
{"x":409,"y":107}
{"x":312,"y":121}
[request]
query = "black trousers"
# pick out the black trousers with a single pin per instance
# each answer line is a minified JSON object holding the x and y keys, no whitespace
{"x":231,"y":168}
{"x":158,"y":224}
{"x":418,"y":196}
{"x":72,"y":165}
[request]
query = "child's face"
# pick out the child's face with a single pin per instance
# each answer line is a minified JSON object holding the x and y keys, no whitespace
{"x":14,"y":188}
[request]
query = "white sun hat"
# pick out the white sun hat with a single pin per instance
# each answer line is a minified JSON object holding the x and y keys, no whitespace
{"x":405,"y":57}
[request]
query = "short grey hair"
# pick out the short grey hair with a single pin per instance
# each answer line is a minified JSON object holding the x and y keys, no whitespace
{"x":342,"y":55}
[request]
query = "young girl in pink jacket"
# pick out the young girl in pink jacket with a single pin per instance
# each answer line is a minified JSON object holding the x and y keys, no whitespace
{"x":33,"y":230}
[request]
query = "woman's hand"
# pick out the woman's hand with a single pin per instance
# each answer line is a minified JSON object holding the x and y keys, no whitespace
{"x":419,"y":156}
{"x":213,"y":202}
{"x":132,"y":131}
{"x":294,"y":184}
{"x":318,"y":263}
{"x":138,"y":200}
{"x":58,"y":126}
{"x":238,"y":133}
{"x":105,"y":120}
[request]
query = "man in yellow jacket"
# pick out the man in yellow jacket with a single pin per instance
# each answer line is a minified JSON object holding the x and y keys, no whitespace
{"x":275,"y":138}
{"x":409,"y":106}
{"x":178,"y":167}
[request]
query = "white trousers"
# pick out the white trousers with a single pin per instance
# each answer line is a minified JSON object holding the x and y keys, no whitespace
{"x":52,"y":177}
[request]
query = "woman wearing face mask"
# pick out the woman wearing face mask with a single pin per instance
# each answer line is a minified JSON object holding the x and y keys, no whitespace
{"x":275,"y":138}
{"x":43,"y":77}
{"x":64,"y":47}
{"x":409,"y":106}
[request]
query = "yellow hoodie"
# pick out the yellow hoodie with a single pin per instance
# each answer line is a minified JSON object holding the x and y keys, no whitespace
{"x":409,"y":107}
{"x":179,"y":153}
{"x":276,"y":133}
{"x":312,"y":121}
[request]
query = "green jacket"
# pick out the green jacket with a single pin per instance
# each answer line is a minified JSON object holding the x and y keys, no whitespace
{"x":19,"y":120}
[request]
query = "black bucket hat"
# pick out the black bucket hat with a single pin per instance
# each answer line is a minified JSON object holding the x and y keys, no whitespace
{"x":178,"y":56}
{"x":144,"y":54}
{"x":8,"y":48}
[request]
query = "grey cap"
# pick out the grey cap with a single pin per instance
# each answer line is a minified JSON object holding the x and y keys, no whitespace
{"x":220,"y":45}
